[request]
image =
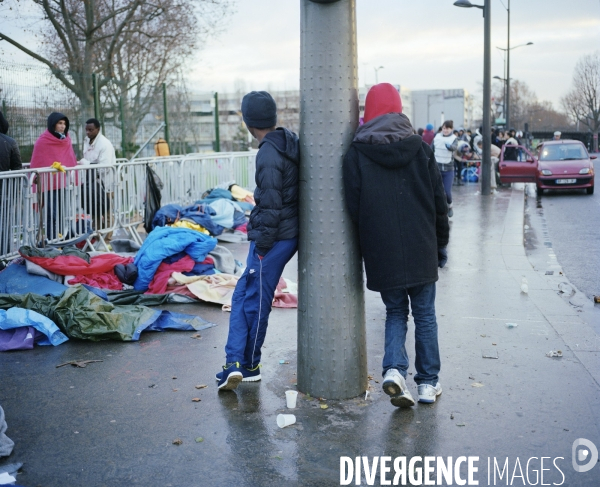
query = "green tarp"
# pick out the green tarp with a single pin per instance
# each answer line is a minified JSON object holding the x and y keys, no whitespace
{"x":79,"y":313}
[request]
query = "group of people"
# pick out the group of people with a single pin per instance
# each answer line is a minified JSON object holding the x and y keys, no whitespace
{"x":53,"y":146}
{"x":394,"y":192}
{"x":454,"y":148}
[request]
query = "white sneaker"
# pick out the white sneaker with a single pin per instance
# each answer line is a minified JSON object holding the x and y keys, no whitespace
{"x":429,"y":393}
{"x":394,"y":385}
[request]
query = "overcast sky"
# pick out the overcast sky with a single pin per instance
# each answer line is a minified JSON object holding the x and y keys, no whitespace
{"x":422,"y":44}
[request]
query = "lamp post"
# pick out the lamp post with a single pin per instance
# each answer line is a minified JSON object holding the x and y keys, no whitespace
{"x":376,"y":71}
{"x":487,"y":88}
{"x":507,"y":72}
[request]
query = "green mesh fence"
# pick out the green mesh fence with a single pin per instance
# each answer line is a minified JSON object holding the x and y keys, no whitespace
{"x":29,"y":93}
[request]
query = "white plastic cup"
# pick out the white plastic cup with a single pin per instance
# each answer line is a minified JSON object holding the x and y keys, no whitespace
{"x":290,"y":398}
{"x":284,"y":420}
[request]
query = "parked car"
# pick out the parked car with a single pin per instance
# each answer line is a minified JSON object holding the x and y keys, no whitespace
{"x":560,"y":164}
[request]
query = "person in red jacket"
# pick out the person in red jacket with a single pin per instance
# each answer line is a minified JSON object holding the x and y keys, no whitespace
{"x":428,"y":134}
{"x":395,"y":196}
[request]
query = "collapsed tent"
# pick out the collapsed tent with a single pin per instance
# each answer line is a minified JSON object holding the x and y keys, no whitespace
{"x":81,"y":314}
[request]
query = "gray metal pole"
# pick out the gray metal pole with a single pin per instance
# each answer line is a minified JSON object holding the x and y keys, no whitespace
{"x":166,"y":114}
{"x":217,"y":135}
{"x":96,"y":96}
{"x":332,"y":360}
{"x":508,"y":71}
{"x":123,"y":132}
{"x":487,"y":94}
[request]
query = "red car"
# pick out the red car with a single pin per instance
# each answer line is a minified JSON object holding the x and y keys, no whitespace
{"x":561,"y":164}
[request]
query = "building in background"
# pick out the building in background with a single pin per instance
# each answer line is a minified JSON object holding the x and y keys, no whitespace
{"x":28,"y":93}
{"x":436,"y":106}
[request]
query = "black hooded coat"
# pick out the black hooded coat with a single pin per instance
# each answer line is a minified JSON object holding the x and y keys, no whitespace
{"x":10,"y":157}
{"x":53,"y":119}
{"x":275,"y":216}
{"x":394,"y":193}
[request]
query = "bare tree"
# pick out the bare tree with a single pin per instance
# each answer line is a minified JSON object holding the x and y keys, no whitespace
{"x":130,"y":44}
{"x":583,"y":101}
{"x":526,"y":108}
{"x":74,"y":29}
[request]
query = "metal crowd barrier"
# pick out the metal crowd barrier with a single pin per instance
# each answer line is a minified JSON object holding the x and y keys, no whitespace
{"x":43,"y":207}
{"x":16,"y":212}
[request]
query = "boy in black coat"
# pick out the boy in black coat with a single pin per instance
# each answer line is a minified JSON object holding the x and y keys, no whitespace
{"x":273,"y":232}
{"x":395,"y":195}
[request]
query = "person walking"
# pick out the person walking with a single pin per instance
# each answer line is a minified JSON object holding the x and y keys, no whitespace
{"x":273,"y":235}
{"x":444,"y":144}
{"x":395,"y":195}
{"x":54,"y":145}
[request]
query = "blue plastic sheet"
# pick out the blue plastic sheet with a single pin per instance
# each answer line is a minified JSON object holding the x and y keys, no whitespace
{"x":20,"y":317}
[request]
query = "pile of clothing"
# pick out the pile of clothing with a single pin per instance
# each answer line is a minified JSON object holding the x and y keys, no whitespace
{"x":220,"y":213}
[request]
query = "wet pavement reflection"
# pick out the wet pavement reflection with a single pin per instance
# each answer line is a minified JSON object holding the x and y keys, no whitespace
{"x":114,"y":423}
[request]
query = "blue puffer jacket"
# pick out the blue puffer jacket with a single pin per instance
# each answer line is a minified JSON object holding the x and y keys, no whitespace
{"x":275,"y":216}
{"x":163,"y":242}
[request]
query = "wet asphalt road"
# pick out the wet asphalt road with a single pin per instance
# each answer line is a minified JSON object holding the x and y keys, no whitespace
{"x":573,"y":223}
{"x":114,"y":423}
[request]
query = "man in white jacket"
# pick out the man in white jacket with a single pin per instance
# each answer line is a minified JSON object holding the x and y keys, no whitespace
{"x":97,"y":149}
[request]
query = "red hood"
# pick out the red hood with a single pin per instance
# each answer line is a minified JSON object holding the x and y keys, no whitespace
{"x":381,"y":100}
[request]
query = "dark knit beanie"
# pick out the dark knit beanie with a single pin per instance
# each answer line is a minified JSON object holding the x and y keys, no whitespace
{"x":259,"y":110}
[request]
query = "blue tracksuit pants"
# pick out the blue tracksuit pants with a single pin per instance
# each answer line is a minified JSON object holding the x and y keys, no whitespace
{"x":252,"y":301}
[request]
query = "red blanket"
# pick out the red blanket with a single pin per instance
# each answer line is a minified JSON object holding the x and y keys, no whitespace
{"x":66,"y":265}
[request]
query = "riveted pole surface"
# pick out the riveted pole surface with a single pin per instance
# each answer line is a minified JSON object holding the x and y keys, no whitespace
{"x":331,"y":314}
{"x":486,"y":165}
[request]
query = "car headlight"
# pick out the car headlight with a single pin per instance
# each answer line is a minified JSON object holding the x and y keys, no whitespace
{"x":585,"y":170}
{"x":546,"y":172}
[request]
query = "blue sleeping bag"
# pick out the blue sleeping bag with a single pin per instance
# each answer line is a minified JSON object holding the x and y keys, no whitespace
{"x":163,"y":242}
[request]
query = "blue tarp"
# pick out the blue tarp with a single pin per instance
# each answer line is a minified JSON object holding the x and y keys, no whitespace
{"x":19,"y":317}
{"x":16,"y":280}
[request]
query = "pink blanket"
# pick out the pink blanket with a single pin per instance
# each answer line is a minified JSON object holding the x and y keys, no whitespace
{"x":49,"y":149}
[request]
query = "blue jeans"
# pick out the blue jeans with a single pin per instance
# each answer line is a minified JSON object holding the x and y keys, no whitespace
{"x":447,"y":180}
{"x":427,"y":353}
{"x":252,"y":300}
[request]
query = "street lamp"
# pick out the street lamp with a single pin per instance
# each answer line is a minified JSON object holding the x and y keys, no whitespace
{"x":487,"y":89}
{"x":376,"y":71}
{"x":507,"y":67}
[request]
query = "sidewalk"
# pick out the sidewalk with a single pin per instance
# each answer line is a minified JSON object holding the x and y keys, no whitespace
{"x":114,"y":422}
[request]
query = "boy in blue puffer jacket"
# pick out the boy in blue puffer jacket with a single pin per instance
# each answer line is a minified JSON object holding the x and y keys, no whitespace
{"x":273,"y":232}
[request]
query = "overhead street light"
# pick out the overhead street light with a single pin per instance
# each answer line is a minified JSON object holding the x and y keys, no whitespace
{"x":377,"y":71}
{"x":467,"y":4}
{"x":487,"y":89}
{"x":506,"y":51}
